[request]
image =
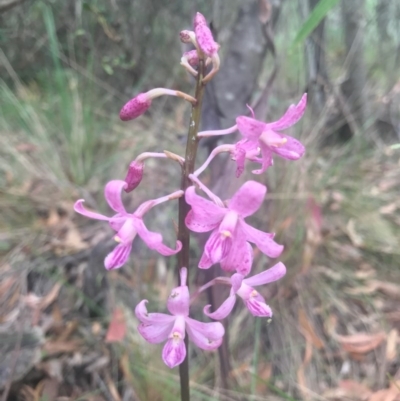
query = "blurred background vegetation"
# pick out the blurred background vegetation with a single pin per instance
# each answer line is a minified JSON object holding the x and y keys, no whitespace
{"x":66,"y":68}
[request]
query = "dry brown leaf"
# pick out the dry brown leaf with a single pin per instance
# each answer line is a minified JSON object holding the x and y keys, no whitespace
{"x":389,"y":289}
{"x":73,"y":239}
{"x":301,"y":376}
{"x":111,"y":387}
{"x":355,"y":237}
{"x":50,"y":297}
{"x":56,"y":347}
{"x":391,"y":345}
{"x":71,"y":326}
{"x":117,"y":329}
{"x":308,"y":331}
{"x":360,"y":343}
{"x":264,"y":372}
{"x":126,"y":370}
{"x":349,"y":389}
{"x":53,"y":219}
{"x":388,"y":209}
{"x":49,"y":390}
{"x":384,"y":395}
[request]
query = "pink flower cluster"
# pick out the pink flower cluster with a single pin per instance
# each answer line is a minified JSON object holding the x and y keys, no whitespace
{"x":231,"y":238}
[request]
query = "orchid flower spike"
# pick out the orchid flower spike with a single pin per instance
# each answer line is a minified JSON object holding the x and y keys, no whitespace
{"x":158,"y":327}
{"x":127,"y":225}
{"x":142,"y":102}
{"x":230,"y":237}
{"x":266,"y":137}
{"x":243,"y":287}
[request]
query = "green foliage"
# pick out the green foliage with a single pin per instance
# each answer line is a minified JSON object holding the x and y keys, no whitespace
{"x":316,"y":16}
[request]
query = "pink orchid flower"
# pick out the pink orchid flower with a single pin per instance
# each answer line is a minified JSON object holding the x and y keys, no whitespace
{"x":128,"y":225}
{"x":158,"y":327}
{"x":266,"y":137}
{"x":243,"y":287}
{"x":229,"y":240}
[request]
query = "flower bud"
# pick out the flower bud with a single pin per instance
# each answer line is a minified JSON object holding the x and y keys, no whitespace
{"x":186,"y":36}
{"x":199,"y":19}
{"x":192,"y":57}
{"x":134,"y":175}
{"x":204,"y":36}
{"x":135,"y":107}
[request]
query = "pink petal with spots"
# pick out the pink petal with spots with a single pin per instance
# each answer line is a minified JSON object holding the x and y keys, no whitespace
{"x":135,"y":107}
{"x":292,"y":149}
{"x":250,"y":127}
{"x":207,"y":336}
{"x":204,"y":215}
{"x":291,"y":117}
{"x":263,"y":240}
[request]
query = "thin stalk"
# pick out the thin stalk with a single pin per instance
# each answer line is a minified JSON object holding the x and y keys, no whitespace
{"x":183,"y":231}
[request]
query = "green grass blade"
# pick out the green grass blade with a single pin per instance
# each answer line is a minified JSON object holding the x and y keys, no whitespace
{"x":316,"y":16}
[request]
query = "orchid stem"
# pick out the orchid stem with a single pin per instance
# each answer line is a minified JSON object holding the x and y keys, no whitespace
{"x":183,"y":231}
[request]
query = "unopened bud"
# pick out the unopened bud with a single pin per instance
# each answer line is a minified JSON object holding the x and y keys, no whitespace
{"x":205,"y":39}
{"x":135,"y":107}
{"x":186,"y":36}
{"x":199,"y":19}
{"x":192,"y":57}
{"x":134,"y":175}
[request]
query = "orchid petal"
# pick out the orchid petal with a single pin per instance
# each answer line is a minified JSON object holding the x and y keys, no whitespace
{"x":217,"y":246}
{"x":291,"y":116}
{"x":263,"y":240}
{"x":204,"y":215}
{"x":78,"y":207}
{"x":240,"y":257}
{"x":178,"y":301}
{"x":258,"y":307}
{"x":174,"y":352}
{"x":236,"y":281}
{"x":151,"y":318}
{"x":207,"y":336}
{"x":205,"y":262}
{"x":118,"y":257}
{"x":116,"y":222}
{"x":154,"y":240}
{"x":127,"y":232}
{"x":248,"y":199}
{"x":292,"y":149}
{"x":239,"y":155}
{"x":112,"y":193}
{"x":268,"y":276}
{"x":155,"y":333}
{"x":223,"y":311}
{"x":250,"y":127}
{"x":266,"y":154}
